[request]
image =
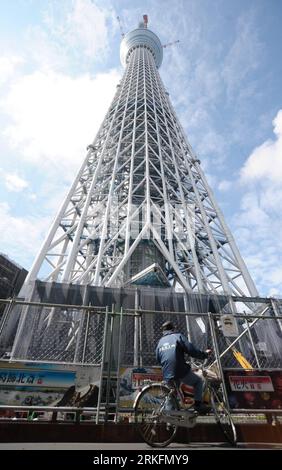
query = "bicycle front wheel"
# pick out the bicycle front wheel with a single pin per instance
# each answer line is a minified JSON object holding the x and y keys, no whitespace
{"x":223,"y":417}
{"x":150,"y":404}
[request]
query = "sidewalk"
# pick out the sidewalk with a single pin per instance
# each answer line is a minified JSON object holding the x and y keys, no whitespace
{"x":39,"y":431}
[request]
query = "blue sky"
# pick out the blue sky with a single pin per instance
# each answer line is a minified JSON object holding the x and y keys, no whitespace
{"x":59,"y":66}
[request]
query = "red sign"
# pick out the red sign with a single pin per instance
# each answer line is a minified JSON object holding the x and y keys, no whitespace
{"x":154,"y":376}
{"x":239,"y":383}
{"x":254,"y":389}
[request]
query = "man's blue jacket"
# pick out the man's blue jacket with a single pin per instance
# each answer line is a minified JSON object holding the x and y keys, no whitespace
{"x":170,"y":354}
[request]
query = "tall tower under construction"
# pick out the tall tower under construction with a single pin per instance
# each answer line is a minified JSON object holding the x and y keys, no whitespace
{"x":140,"y":210}
{"x":139,"y":232}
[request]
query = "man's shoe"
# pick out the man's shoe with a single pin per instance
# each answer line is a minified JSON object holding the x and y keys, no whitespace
{"x":202,"y":409}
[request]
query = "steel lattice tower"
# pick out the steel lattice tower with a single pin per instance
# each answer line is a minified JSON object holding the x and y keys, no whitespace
{"x":140,"y":209}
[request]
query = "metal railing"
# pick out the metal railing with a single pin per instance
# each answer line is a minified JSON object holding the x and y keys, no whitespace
{"x":112,"y":340}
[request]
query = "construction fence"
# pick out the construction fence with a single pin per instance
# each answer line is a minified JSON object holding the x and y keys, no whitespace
{"x":98,"y":356}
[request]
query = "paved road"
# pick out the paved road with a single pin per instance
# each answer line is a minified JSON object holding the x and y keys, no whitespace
{"x":128,"y":446}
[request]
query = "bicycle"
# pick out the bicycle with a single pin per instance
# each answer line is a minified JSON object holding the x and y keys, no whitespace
{"x":159,"y":409}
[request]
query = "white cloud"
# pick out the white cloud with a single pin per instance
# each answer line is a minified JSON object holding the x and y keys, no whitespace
{"x":87,"y":25}
{"x":244,"y":54}
{"x":258,"y":226}
{"x":276,"y":276}
{"x":261,"y":247}
{"x":251,"y":207}
{"x":14,"y":182}
{"x":271,"y":199}
{"x":81,"y":26}
{"x":21,"y":236}
{"x":43,"y":52}
{"x":265,"y":162}
{"x":32,"y":197}
{"x":209,"y":80}
{"x":211,"y":178}
{"x":212,"y":144}
{"x":50,"y":112}
{"x":224,"y":185}
{"x":54,"y":116}
{"x":274,"y":292}
{"x":8,"y":65}
{"x":261,"y":212}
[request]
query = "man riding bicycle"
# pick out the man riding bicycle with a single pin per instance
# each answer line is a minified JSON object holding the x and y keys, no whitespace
{"x":170,"y":353}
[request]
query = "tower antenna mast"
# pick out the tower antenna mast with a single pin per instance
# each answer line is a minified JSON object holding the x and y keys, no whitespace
{"x":145,"y":19}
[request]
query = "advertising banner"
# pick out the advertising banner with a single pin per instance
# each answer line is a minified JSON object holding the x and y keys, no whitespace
{"x":45,"y":384}
{"x":132,"y":379}
{"x":254,"y":389}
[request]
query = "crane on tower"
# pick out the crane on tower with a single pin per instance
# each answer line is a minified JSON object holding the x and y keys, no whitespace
{"x":120,"y":27}
{"x":170,"y":43}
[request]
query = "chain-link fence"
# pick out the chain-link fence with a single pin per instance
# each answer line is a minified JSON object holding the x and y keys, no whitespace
{"x":117,"y":331}
{"x":60,"y":334}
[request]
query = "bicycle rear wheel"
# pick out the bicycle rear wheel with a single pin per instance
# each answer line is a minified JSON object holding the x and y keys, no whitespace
{"x":150,"y":403}
{"x":223,"y":417}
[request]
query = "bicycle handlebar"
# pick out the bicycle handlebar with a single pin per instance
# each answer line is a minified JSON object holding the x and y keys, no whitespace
{"x":202,"y":364}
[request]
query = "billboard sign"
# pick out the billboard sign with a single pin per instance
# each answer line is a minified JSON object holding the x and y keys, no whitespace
{"x":45,"y":384}
{"x":254,"y":389}
{"x":132,"y":379}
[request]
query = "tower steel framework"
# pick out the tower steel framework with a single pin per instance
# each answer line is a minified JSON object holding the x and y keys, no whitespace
{"x":139,"y":213}
{"x":140,"y":208}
